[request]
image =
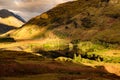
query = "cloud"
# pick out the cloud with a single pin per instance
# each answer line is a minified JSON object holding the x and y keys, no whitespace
{"x":29,"y":8}
{"x":26,"y":14}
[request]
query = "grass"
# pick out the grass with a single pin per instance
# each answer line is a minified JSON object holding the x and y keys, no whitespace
{"x":53,"y":44}
{"x":89,"y":51}
{"x":85,"y":30}
{"x":72,"y":72}
{"x":9,"y":21}
{"x":85,"y":20}
{"x":61,"y":35}
{"x":15,"y":55}
{"x":23,"y":65}
{"x":35,"y":77}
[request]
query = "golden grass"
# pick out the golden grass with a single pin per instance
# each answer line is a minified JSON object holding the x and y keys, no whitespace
{"x":27,"y":32}
{"x":113,"y":68}
{"x":29,"y":45}
{"x":111,"y":53}
{"x":11,"y":21}
{"x":110,"y":67}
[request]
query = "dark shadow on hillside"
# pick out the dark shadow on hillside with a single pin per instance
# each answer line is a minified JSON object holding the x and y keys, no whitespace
{"x":7,"y":39}
{"x":55,"y":53}
{"x":5,"y":28}
{"x":4,"y":13}
{"x":19,"y":63}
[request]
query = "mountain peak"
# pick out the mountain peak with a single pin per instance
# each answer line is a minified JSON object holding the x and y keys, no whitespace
{"x":4,"y":13}
{"x":9,"y":20}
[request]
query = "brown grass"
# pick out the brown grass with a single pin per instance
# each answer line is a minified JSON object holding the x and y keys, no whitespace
{"x":72,"y":71}
{"x":20,"y":64}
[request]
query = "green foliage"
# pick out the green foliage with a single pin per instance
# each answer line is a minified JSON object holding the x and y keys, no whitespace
{"x":92,"y":56}
{"x":112,"y":59}
{"x":77,"y":59}
{"x":88,"y":46}
{"x":81,"y":59}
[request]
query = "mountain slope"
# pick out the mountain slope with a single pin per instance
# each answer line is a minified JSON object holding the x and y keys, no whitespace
{"x":83,"y":32}
{"x":87,"y":31}
{"x":86,"y":20}
{"x":9,"y":20}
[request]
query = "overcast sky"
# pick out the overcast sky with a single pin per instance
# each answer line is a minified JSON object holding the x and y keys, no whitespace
{"x":29,"y":8}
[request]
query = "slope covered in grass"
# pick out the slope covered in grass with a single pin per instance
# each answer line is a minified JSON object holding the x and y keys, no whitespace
{"x":92,"y":20}
{"x":23,"y":66}
{"x":9,"y":21}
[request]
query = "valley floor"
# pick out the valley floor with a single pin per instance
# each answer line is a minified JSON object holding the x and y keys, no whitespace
{"x":16,"y":65}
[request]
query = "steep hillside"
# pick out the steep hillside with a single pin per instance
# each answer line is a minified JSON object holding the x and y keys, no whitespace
{"x":9,"y":20}
{"x":86,"y":20}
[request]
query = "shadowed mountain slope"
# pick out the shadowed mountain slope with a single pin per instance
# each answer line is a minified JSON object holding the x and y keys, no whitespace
{"x":9,"y":21}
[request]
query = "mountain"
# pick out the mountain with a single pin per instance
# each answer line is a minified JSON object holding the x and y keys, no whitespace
{"x":84,"y":32}
{"x":9,"y":21}
{"x":86,"y":20}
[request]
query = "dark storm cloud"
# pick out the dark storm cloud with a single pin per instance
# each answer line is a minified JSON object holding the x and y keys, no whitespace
{"x":29,"y":8}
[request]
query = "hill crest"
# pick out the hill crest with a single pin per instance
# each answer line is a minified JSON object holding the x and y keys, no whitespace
{"x":9,"y":21}
{"x":86,"y":20}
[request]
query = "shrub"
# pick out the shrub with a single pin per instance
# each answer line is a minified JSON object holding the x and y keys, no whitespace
{"x":77,"y":58}
{"x":87,"y":23}
{"x":42,"y":22}
{"x":75,"y":24}
{"x":92,"y":56}
{"x":57,"y":20}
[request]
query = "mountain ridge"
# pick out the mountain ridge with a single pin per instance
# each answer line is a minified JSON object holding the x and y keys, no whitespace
{"x":9,"y":21}
{"x":91,"y":20}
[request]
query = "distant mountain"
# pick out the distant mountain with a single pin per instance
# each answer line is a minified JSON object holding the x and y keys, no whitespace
{"x":9,"y":20}
{"x":85,"y":20}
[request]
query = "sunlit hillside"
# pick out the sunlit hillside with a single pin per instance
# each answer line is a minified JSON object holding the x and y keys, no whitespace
{"x":77,"y":40}
{"x":9,"y":21}
{"x":85,"y":20}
